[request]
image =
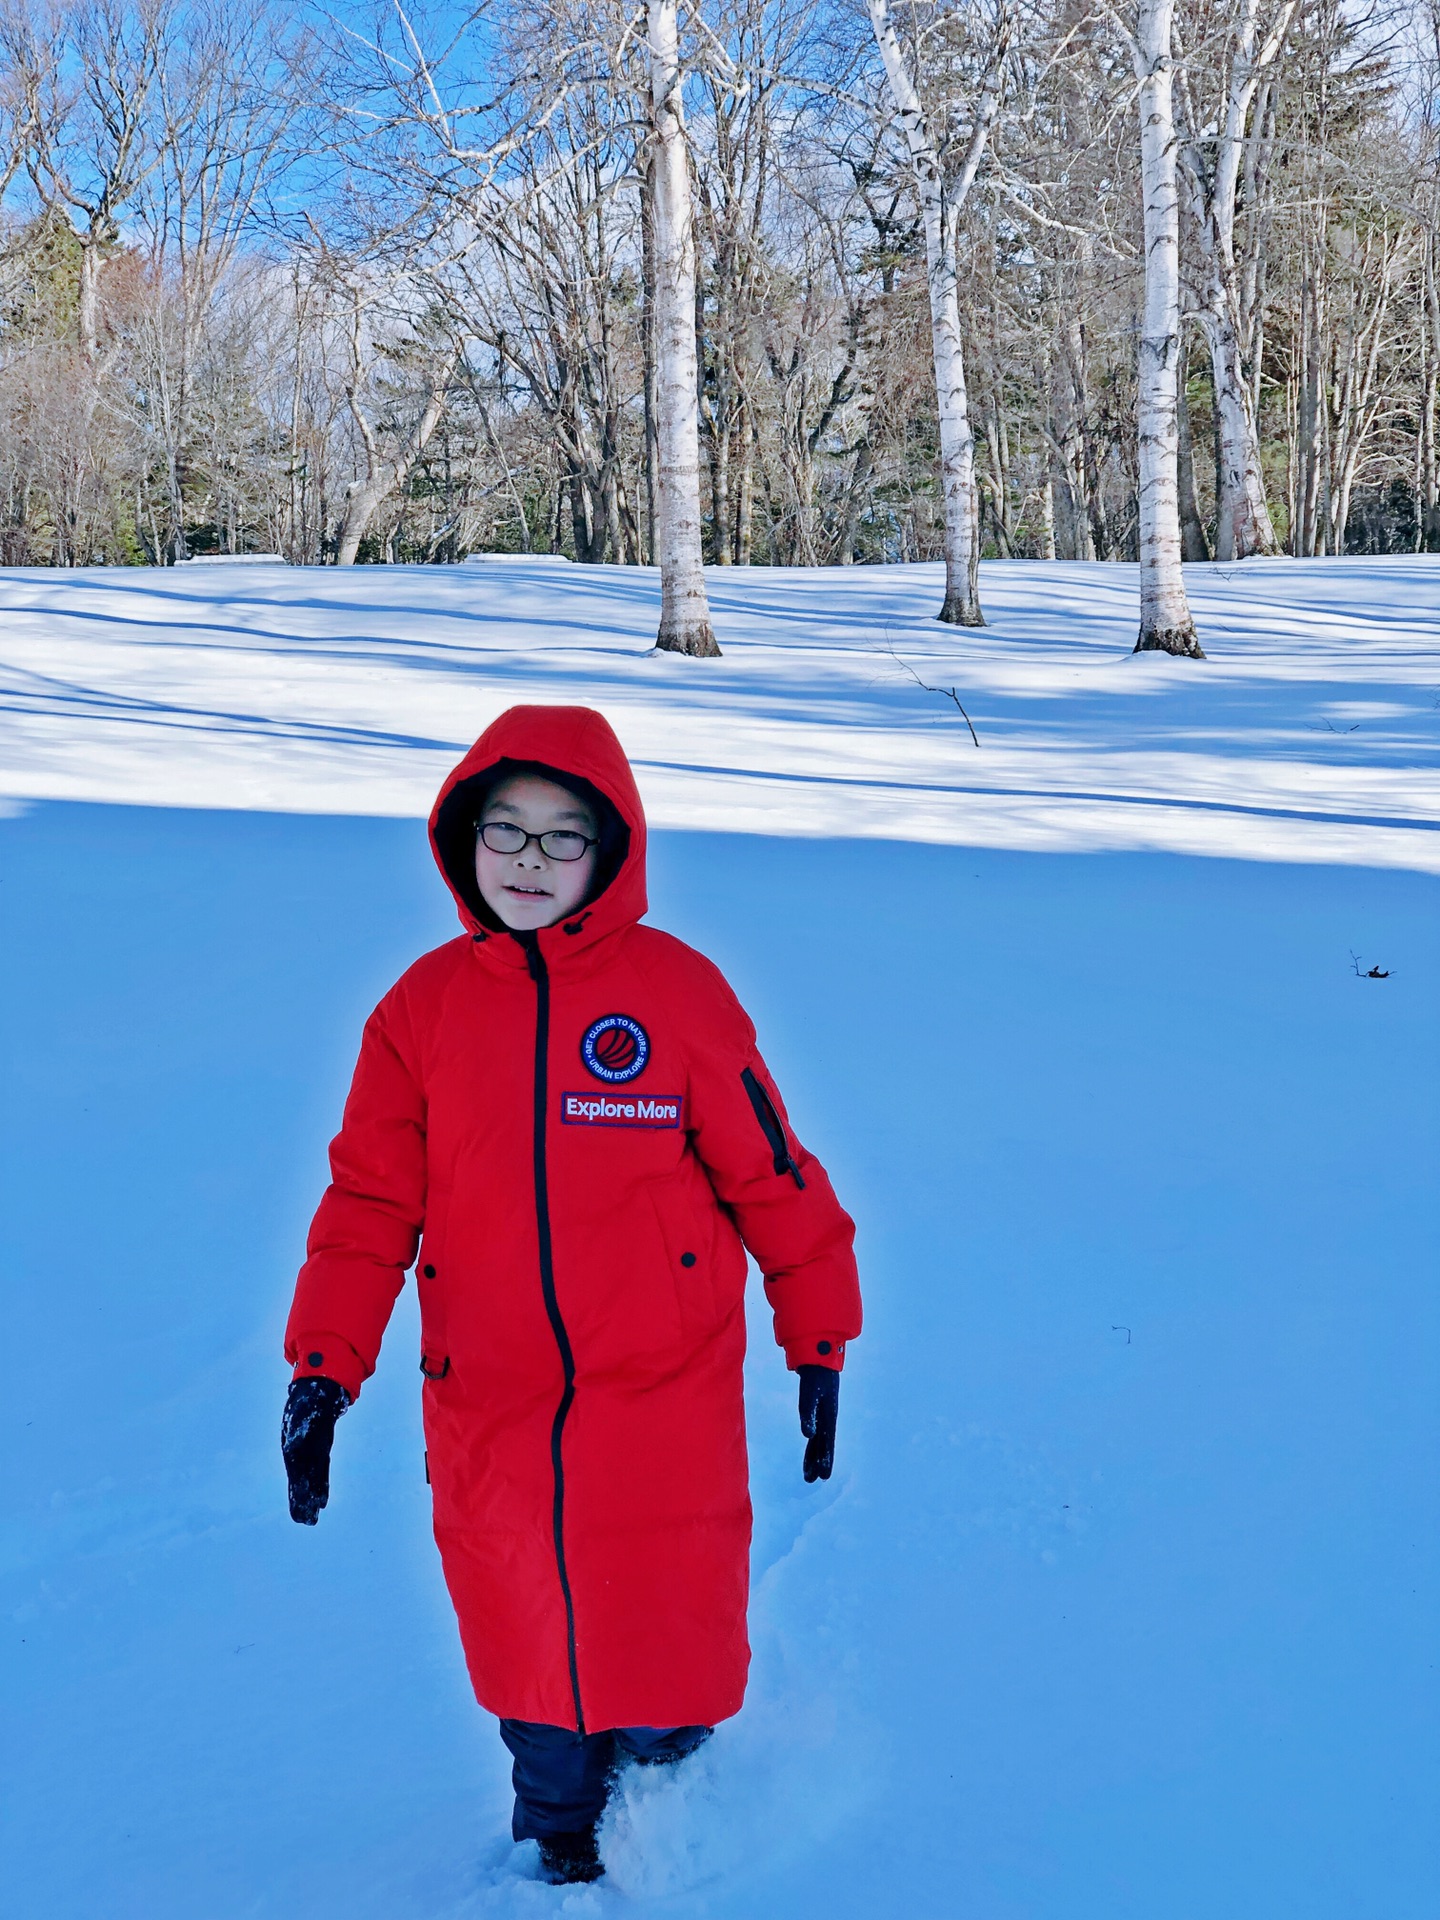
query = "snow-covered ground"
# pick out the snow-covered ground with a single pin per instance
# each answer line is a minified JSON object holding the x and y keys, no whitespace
{"x":1311,"y":734}
{"x":1121,"y":1604}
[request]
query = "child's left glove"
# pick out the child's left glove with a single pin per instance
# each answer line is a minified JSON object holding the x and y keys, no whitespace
{"x":819,"y":1405}
{"x":312,"y":1407}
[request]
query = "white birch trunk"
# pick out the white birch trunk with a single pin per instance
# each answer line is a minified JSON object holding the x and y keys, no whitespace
{"x":1165,"y":623}
{"x":1242,"y":515}
{"x":684,"y":609}
{"x":1429,"y":489}
{"x":940,"y":214}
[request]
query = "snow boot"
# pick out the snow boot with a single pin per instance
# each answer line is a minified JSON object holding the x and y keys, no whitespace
{"x":566,"y":1858}
{"x":671,"y":1756}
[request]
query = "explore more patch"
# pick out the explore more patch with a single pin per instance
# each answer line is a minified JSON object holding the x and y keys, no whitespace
{"x":621,"y":1109}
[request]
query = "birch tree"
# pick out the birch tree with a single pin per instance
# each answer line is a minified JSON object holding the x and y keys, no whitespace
{"x":1165,"y":622}
{"x":1220,"y":153}
{"x":1427,"y":457}
{"x":734,"y":157}
{"x":942,"y":200}
{"x":1427,"y":452}
{"x":684,"y":608}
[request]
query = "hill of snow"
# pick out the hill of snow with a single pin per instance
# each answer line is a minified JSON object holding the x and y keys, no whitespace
{"x":1310,"y":735}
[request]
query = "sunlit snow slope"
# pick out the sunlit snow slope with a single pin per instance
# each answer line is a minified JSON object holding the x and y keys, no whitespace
{"x":1310,"y":735}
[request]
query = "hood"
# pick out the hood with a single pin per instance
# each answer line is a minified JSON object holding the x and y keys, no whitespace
{"x":578,"y":743}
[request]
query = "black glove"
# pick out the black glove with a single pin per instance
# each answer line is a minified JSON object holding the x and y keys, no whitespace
{"x":819,"y":1404}
{"x":312,"y":1407}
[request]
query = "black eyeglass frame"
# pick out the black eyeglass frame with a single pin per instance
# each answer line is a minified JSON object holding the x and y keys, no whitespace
{"x":550,"y":833}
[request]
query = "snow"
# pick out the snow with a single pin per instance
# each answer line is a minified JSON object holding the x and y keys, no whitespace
{"x":1121,"y":1603}
{"x":1311,"y":734}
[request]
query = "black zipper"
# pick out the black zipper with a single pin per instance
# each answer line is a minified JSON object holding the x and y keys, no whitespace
{"x":535,"y":961}
{"x":771,"y":1126}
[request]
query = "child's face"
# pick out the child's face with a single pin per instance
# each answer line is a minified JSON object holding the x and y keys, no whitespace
{"x":526,"y":887}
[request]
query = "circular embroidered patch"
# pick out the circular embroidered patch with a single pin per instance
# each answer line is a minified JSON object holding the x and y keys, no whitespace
{"x":615,"y":1048}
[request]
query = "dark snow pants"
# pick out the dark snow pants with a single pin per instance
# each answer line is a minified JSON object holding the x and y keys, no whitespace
{"x":562,"y":1779}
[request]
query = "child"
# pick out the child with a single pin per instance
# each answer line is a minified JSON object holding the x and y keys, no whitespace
{"x":564,"y":1113}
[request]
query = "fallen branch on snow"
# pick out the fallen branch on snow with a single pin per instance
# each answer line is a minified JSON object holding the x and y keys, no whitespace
{"x":948,"y":692}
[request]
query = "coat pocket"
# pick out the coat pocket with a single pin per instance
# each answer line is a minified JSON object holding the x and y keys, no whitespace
{"x":771,"y":1125}
{"x":688,"y":1239}
{"x":430,"y":1283}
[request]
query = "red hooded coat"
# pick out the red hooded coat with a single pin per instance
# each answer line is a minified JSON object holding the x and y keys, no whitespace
{"x":575,"y":1132}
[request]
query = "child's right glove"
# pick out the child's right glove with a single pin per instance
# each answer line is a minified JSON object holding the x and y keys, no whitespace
{"x":312,"y":1407}
{"x":819,"y":1404}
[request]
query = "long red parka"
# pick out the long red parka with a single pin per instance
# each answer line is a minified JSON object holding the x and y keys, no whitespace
{"x":575,"y":1133}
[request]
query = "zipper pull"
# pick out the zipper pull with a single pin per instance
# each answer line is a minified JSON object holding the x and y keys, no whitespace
{"x":534,"y":959}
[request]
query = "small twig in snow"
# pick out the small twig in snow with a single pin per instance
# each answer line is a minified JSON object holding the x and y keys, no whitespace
{"x":948,"y":692}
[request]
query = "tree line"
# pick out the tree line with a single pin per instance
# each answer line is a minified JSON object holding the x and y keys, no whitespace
{"x":784,"y":284}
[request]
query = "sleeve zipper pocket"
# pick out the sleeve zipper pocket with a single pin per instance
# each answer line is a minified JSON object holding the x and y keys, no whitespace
{"x":771,"y":1126}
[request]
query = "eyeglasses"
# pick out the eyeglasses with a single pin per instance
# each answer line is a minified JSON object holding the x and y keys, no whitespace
{"x":560,"y":843}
